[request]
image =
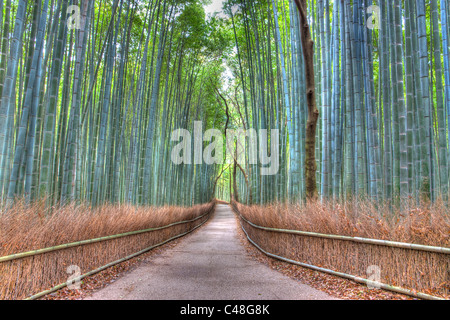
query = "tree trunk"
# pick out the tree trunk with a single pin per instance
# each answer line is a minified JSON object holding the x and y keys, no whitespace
{"x":313,"y":112}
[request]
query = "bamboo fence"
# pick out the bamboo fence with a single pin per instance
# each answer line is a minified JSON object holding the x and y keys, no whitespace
{"x":23,"y":274}
{"x":407,"y":268}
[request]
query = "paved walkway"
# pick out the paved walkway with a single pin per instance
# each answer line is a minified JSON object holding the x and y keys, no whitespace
{"x":210,"y":264}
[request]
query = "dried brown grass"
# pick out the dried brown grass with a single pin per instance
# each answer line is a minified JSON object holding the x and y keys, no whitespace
{"x":417,"y":270}
{"x":24,"y":228}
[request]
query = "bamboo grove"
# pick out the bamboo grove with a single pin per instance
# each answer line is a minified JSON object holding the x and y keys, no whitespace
{"x":382,"y":78}
{"x":90,"y":92}
{"x":88,"y":104}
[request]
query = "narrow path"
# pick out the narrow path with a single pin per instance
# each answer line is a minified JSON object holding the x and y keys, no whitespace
{"x":208,"y":265}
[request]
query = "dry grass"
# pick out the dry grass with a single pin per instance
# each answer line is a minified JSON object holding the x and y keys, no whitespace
{"x":26,"y":228}
{"x":418,"y":270}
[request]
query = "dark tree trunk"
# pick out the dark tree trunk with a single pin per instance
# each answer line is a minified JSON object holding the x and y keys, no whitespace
{"x":313,"y":112}
{"x":235,"y":188}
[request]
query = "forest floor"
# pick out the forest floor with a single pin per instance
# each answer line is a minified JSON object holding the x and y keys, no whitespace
{"x":215,"y":262}
{"x":210,"y":265}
